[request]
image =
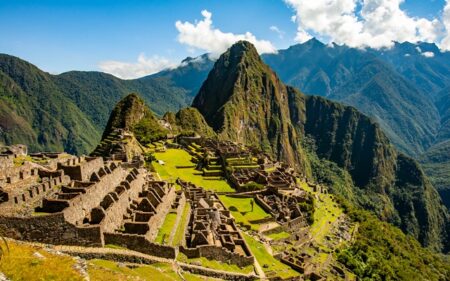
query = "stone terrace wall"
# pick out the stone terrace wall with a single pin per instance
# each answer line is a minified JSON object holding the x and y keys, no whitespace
{"x":6,"y":161}
{"x":217,"y":253}
{"x":162,"y":210}
{"x":51,"y":229}
{"x":81,"y":168}
{"x":141,"y":244}
{"x":81,"y":205}
{"x":37,"y":192}
{"x":113,"y":215}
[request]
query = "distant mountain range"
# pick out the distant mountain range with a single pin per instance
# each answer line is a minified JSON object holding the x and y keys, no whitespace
{"x":406,"y":89}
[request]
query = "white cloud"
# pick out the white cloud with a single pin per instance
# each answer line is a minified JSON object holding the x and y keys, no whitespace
{"x":428,"y":54}
{"x":376,"y":24}
{"x":204,"y":36}
{"x":130,"y":70}
{"x":277,"y":30}
{"x":445,"y":43}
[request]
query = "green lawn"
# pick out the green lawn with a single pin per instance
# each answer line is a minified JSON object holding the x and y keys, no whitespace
{"x":216,"y":264}
{"x":166,"y":228}
{"x":264,"y":258}
{"x":279,"y":235}
{"x":241,"y":210}
{"x":179,"y":234}
{"x":179,"y":157}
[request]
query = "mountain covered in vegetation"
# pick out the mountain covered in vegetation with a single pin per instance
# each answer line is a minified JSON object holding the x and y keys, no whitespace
{"x":68,"y":112}
{"x":243,"y":100}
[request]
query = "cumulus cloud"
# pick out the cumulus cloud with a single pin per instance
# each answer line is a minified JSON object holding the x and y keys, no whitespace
{"x":130,"y":70}
{"x":204,"y":36}
{"x":275,"y":29}
{"x":376,"y":23}
{"x":445,"y":43}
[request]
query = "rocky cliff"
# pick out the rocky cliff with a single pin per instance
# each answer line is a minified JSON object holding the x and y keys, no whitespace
{"x":243,"y":100}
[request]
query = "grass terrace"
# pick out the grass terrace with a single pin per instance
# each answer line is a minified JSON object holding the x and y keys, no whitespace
{"x":279,"y":235}
{"x":174,"y":161}
{"x":241,"y":209}
{"x":107,"y":270}
{"x":270,"y":265}
{"x":325,"y":213}
{"x":179,"y":234}
{"x":166,"y":229}
{"x":25,"y":262}
{"x":215,"y":264}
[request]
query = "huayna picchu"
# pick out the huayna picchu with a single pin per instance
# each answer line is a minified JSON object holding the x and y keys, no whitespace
{"x":255,"y":181}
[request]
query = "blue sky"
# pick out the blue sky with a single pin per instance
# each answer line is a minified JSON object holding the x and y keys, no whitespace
{"x":58,"y":36}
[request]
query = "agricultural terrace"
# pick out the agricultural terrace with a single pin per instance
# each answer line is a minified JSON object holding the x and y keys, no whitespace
{"x":176,"y":163}
{"x":243,"y":212}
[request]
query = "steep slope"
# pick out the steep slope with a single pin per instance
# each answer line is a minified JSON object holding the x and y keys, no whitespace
{"x":131,"y":126}
{"x":244,"y":101}
{"x":34,"y":111}
{"x":187,"y":121}
{"x":132,"y":114}
{"x":69,"y":111}
{"x":368,"y":80}
{"x":436,"y":163}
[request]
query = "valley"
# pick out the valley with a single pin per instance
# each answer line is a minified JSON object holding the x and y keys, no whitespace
{"x":254,"y":181}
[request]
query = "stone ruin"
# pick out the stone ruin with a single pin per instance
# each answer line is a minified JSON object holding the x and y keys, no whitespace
{"x":284,"y":206}
{"x":84,"y":201}
{"x":212,"y":232}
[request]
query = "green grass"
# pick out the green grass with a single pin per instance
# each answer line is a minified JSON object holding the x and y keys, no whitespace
{"x":179,"y":157}
{"x":20,"y":263}
{"x":112,"y":246}
{"x":179,"y":234}
{"x":241,"y":210}
{"x":325,"y":213}
{"x":216,"y":264}
{"x":166,"y":228}
{"x":279,"y":235}
{"x":20,"y":160}
{"x":102,"y":270}
{"x":108,"y":270}
{"x":264,"y":258}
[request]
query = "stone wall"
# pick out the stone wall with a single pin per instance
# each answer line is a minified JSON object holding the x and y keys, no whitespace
{"x":113,"y":214}
{"x":223,"y":275}
{"x":80,"y":206}
{"x":162,"y":210}
{"x":218,"y":253}
{"x":180,"y":209}
{"x":37,"y":192}
{"x":81,"y":168}
{"x":51,"y":229}
{"x":6,"y":161}
{"x":141,"y":244}
{"x":263,"y":205}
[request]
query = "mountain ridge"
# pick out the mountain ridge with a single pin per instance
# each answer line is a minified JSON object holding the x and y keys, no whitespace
{"x":244,"y":101}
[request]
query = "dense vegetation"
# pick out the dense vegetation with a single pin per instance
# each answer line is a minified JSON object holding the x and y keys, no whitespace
{"x":188,"y":121}
{"x":69,"y":111}
{"x":381,"y":251}
{"x":132,"y":114}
